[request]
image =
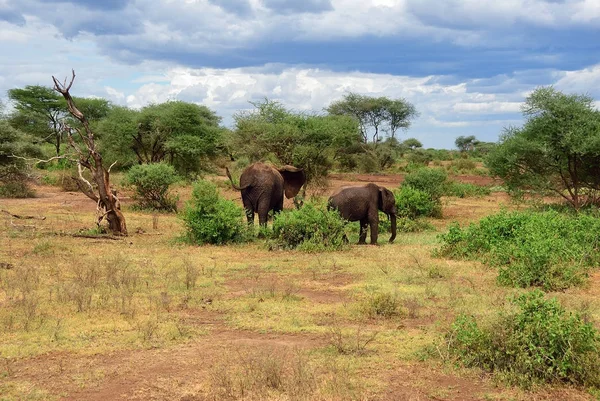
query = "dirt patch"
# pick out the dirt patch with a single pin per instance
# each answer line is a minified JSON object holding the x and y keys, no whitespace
{"x":149,"y":374}
{"x":274,"y":285}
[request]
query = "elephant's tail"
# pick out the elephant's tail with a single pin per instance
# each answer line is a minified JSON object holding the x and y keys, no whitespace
{"x":232,"y":183}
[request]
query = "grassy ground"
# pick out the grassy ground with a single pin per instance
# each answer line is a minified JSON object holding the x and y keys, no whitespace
{"x":147,"y":318}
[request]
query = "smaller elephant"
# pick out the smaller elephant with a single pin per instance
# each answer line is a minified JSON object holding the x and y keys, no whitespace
{"x":363,"y":204}
{"x":263,"y":187}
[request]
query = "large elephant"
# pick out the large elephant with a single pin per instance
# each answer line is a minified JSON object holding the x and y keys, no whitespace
{"x":363,"y":204}
{"x":263,"y":187}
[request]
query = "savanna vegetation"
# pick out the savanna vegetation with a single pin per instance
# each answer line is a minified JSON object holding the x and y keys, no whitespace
{"x":488,"y":292}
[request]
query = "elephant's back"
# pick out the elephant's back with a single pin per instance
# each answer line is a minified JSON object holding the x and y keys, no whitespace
{"x":258,"y":174}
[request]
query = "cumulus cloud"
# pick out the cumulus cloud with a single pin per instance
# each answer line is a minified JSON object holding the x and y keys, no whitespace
{"x":234,"y":33}
{"x":225,"y":54}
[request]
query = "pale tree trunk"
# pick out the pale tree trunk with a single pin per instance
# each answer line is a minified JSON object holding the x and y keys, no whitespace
{"x":90,"y":158}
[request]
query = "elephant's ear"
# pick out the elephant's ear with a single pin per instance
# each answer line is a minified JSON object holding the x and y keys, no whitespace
{"x":386,"y":200}
{"x":293,"y":179}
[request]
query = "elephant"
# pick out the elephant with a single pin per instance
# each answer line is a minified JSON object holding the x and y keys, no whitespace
{"x":263,"y":186}
{"x":362,"y":203}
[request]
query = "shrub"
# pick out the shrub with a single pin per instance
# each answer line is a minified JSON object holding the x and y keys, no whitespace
{"x":14,"y":189}
{"x":310,"y":228}
{"x":152,"y":183}
{"x":419,"y":156}
{"x":548,"y":249}
{"x":538,"y":343}
{"x":430,"y":180}
{"x":463,"y":165}
{"x":466,"y":190}
{"x":413,"y":203}
{"x":382,"y":304}
{"x":211,"y":219}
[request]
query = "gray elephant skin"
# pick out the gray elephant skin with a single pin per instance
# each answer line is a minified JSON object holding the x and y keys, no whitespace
{"x":263,"y":187}
{"x":363,"y":203}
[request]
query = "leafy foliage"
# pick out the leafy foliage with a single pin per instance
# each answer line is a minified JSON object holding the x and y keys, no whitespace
{"x":152,"y":183}
{"x":179,"y":133}
{"x":210,"y":219}
{"x":37,"y":111}
{"x":466,"y":190}
{"x":375,"y":115}
{"x":430,"y":180}
{"x":466,"y":143}
{"x":538,"y":343}
{"x":271,"y":131}
{"x":556,"y":151}
{"x":414,"y":203}
{"x":14,"y":171}
{"x":547,"y":249}
{"x":310,"y":228}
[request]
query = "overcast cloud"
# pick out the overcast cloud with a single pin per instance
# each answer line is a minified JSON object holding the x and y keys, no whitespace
{"x":465,"y":64}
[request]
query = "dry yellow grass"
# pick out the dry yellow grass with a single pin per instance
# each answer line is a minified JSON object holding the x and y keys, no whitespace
{"x":148,"y":318}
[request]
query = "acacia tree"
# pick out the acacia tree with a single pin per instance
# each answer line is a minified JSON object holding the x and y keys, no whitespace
{"x":87,"y":156}
{"x":375,"y":115}
{"x":308,"y":141}
{"x":466,"y":143}
{"x":557,"y":149}
{"x":179,"y":133}
{"x":38,"y":111}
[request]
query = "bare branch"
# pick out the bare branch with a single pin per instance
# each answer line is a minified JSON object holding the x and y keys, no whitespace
{"x":38,"y":161}
{"x":111,"y":166}
{"x":16,"y":216}
{"x":80,"y":171}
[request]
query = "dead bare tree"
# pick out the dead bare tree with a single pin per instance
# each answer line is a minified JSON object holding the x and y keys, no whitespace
{"x":89,"y":158}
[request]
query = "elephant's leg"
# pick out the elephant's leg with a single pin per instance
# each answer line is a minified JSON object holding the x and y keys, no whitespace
{"x":249,"y":209}
{"x":362,"y":238}
{"x":250,"y":216}
{"x":263,"y":214}
{"x":374,"y":231}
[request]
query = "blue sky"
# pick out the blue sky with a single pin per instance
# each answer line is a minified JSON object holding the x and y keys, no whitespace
{"x":465,"y":64}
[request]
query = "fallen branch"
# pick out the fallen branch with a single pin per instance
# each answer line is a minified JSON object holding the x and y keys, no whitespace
{"x":108,"y":237}
{"x":92,"y":236}
{"x":17,"y":216}
{"x":19,"y":226}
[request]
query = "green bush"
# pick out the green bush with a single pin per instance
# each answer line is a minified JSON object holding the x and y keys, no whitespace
{"x":152,"y":183}
{"x":466,"y":190}
{"x":430,"y":180}
{"x":463,"y":165}
{"x":537,"y":343}
{"x":382,"y":304}
{"x":310,"y":228}
{"x":414,"y":203}
{"x":419,"y":156}
{"x":210,"y":219}
{"x":548,"y":249}
{"x":16,"y":189}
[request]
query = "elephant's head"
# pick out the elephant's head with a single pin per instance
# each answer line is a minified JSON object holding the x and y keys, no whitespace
{"x":387,"y":204}
{"x":293,"y":179}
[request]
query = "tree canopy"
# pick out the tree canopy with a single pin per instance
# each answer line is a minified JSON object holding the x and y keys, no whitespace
{"x":375,"y":115}
{"x":557,"y":149}
{"x":271,"y":131}
{"x":176,"y":132}
{"x":38,"y":111}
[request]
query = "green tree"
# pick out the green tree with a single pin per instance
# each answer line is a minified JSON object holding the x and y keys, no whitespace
{"x":38,"y":110}
{"x":412,"y":143}
{"x":375,"y":115}
{"x":117,"y":133}
{"x":308,"y":141}
{"x":180,"y":133}
{"x":557,"y":150}
{"x":13,"y":170}
{"x":466,"y":143}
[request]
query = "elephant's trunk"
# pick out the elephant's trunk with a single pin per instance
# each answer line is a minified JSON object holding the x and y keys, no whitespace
{"x":393,"y":221}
